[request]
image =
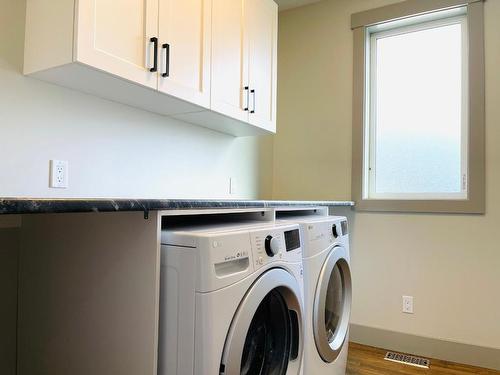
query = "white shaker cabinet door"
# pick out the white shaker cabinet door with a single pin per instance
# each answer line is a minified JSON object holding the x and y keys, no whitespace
{"x":116,"y":36}
{"x":262,"y":22}
{"x":185,"y":38}
{"x":230,"y":92}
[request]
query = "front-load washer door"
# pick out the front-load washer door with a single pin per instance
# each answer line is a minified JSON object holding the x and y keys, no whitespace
{"x":332,"y":304}
{"x":265,"y":337}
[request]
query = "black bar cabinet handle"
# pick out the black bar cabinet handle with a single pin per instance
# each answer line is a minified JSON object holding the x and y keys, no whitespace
{"x":253,"y":92}
{"x":246,"y":88}
{"x":166,"y":46}
{"x":154,"y":40}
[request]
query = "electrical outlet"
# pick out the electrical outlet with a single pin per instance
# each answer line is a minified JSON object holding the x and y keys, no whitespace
{"x":58,"y":174}
{"x":232,"y":185}
{"x":408,"y":304}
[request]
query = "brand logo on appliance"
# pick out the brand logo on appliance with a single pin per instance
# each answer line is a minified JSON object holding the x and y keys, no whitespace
{"x":239,"y":254}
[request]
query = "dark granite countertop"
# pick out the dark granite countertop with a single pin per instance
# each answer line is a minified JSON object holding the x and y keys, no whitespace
{"x":34,"y":206}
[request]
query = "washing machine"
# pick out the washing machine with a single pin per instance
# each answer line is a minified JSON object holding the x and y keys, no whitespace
{"x":327,"y":293}
{"x":231,"y":300}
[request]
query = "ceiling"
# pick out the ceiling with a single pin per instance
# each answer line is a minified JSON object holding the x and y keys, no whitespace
{"x":287,"y":4}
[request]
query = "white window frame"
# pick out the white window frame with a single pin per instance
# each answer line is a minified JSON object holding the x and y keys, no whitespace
{"x":415,"y":24}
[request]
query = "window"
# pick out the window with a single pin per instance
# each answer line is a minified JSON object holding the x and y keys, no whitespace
{"x":418,"y":124}
{"x":417,"y":118}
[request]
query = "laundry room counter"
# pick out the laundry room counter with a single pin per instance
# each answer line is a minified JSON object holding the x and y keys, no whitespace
{"x":34,"y":205}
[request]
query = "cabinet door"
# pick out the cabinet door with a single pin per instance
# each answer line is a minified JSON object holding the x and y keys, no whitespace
{"x":229,"y":59}
{"x":262,"y":22}
{"x":114,"y":36}
{"x":185,"y":39}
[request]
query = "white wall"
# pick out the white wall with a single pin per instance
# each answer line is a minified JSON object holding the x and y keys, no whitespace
{"x":113,"y":150}
{"x":449,"y":263}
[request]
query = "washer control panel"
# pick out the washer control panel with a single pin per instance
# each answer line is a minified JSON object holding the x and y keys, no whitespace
{"x":222,"y":255}
{"x":319,"y":235}
{"x":275,"y":244}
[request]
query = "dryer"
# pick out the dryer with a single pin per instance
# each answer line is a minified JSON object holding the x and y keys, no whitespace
{"x":231,"y":300}
{"x":327,"y":293}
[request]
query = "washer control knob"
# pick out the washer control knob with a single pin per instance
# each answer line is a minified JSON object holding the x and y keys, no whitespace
{"x":272,"y":246}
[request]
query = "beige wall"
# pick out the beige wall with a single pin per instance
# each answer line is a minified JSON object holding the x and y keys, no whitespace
{"x":449,"y":263}
{"x":113,"y":150}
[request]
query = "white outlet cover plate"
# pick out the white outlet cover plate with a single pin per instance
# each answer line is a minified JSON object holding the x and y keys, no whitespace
{"x":408,"y":304}
{"x":58,"y":174}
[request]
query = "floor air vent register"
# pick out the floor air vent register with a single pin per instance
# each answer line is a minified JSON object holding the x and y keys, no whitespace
{"x":407,"y":359}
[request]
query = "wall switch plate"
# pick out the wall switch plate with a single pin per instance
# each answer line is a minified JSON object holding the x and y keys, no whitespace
{"x":58,"y":174}
{"x":233,"y":184}
{"x":408,"y":304}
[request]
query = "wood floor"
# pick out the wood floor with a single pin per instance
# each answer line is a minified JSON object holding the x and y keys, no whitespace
{"x":365,"y":360}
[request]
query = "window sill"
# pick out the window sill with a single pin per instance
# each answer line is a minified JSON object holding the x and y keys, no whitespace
{"x":466,"y":206}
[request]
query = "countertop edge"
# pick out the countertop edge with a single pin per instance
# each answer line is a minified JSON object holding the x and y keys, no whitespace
{"x":49,"y":205}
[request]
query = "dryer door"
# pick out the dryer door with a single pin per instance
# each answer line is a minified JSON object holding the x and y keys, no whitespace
{"x":332,"y":304}
{"x":266,"y":333}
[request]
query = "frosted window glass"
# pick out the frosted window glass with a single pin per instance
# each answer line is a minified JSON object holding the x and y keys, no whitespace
{"x":418,"y":118}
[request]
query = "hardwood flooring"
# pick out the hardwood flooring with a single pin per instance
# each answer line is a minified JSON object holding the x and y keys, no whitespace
{"x":366,"y":360}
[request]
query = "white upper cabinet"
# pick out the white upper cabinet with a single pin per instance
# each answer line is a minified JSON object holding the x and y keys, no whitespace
{"x":185,"y":39}
{"x":244,"y":60}
{"x":262,"y":22}
{"x":115,"y":36}
{"x":208,"y":62}
{"x":230,"y":59}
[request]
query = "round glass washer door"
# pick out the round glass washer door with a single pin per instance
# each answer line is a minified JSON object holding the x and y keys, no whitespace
{"x":332,"y":304}
{"x":265,"y":337}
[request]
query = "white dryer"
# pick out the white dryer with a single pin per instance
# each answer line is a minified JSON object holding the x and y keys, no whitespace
{"x":327,"y":293}
{"x":231,"y":300}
